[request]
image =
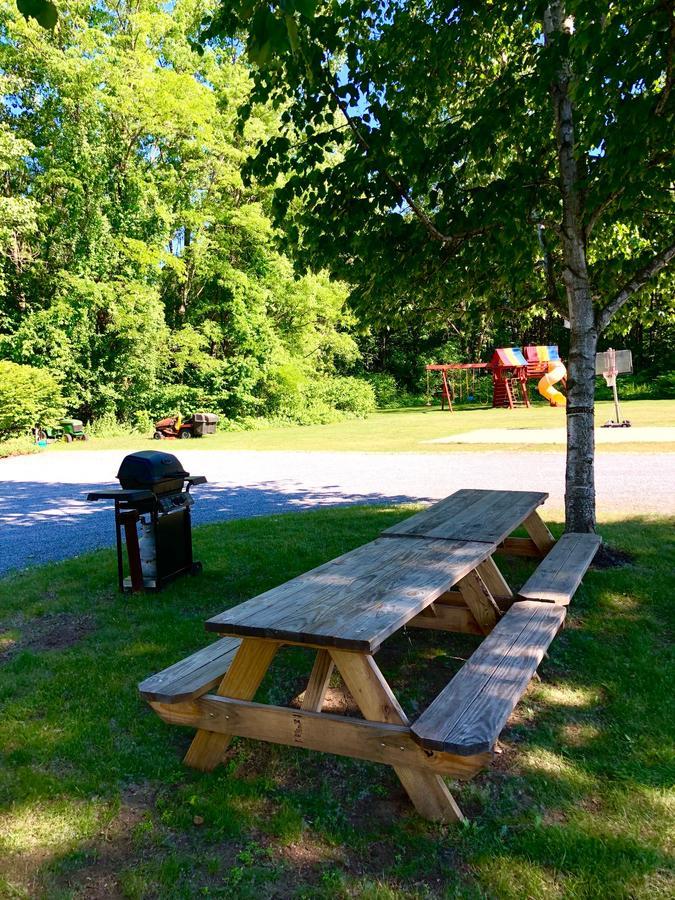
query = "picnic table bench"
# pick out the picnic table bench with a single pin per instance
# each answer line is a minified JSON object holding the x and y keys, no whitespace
{"x":435,"y":569}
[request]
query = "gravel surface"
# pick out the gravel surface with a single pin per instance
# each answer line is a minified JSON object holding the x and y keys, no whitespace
{"x":44,"y":515}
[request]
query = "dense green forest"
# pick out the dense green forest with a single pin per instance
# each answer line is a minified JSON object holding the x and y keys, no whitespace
{"x":144,"y":275}
{"x":136,"y":267}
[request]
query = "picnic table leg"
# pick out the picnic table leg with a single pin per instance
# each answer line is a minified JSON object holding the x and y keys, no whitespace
{"x":318,"y":682}
{"x":539,"y":533}
{"x":240,"y":682}
{"x":480,"y":601}
{"x":375,"y":699}
{"x":494,"y":580}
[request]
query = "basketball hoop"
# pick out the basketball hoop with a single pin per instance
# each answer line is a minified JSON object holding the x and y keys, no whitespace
{"x":610,"y":364}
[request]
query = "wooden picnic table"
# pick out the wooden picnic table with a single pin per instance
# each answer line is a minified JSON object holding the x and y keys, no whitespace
{"x":433,"y":570}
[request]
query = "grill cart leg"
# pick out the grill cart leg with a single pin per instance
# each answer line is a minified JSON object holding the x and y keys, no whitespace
{"x":129,"y":518}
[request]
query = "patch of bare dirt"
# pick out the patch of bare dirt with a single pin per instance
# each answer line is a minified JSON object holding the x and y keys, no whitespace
{"x":609,"y":557}
{"x":337,"y":701}
{"x":113,"y":849}
{"x":53,"y":631}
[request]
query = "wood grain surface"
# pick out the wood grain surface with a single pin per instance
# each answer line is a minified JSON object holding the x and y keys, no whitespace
{"x":192,"y":676}
{"x":472,"y":515}
{"x":468,"y":715}
{"x":557,"y":577}
{"x":359,"y":599}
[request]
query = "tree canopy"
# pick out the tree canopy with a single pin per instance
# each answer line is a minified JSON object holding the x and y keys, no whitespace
{"x":422,"y":134}
{"x":134,"y":262}
{"x":517,"y":153}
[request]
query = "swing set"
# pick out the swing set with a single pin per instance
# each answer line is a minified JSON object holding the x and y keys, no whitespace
{"x":510,"y":368}
{"x":458,"y":383}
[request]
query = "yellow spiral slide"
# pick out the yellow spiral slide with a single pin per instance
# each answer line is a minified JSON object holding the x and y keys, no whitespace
{"x":556,"y":372}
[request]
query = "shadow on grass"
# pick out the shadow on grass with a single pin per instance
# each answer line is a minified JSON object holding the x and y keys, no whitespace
{"x":94,"y":799}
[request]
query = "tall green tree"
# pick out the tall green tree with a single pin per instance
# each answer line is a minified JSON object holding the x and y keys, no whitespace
{"x":134,"y":262}
{"x":517,"y":152}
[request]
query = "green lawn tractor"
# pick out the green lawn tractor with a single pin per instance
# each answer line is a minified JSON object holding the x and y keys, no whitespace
{"x":68,"y":430}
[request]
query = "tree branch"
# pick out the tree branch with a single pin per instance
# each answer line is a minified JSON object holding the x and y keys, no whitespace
{"x":659,"y":262}
{"x":400,"y":190}
{"x":600,"y":210}
{"x":667,"y":87}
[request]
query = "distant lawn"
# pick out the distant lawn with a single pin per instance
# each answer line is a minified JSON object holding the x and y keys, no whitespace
{"x":396,"y":431}
{"x":94,"y":800}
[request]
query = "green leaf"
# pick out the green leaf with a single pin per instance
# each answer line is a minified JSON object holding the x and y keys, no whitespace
{"x":306,"y":7}
{"x":292,"y":27}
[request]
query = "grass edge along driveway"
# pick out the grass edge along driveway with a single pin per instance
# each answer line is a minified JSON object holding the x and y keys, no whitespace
{"x":94,"y":800}
{"x":403,"y":431}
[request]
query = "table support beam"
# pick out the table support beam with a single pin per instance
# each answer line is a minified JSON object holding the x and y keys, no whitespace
{"x":511,"y":546}
{"x":480,"y":601}
{"x":375,"y":699}
{"x":327,"y":733}
{"x":538,"y":531}
{"x":494,"y":580}
{"x":319,"y":680}
{"x":458,"y":619}
{"x":241,"y":681}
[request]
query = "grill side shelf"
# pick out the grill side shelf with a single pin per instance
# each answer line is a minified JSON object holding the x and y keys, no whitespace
{"x":121,"y":494}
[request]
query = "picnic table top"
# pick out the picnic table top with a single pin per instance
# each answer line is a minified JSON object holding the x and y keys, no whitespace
{"x":472,"y":515}
{"x":359,"y":599}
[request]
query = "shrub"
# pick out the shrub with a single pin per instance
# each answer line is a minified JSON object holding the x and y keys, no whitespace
{"x":108,"y":425}
{"x":386,"y":390}
{"x":291,"y":396}
{"x":18,"y":446}
{"x":645,"y":386}
{"x":28,"y":397}
{"x":348,"y":394}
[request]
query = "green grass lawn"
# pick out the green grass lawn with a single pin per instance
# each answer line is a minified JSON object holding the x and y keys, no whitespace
{"x":94,"y":800}
{"x":406,"y":430}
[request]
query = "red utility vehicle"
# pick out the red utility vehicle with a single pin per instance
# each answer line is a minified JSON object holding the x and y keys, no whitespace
{"x":194,"y":426}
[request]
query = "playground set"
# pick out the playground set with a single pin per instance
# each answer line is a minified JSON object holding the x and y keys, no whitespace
{"x":511,"y":368}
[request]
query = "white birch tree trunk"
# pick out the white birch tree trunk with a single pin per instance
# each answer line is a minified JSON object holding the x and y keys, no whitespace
{"x":579,"y":473}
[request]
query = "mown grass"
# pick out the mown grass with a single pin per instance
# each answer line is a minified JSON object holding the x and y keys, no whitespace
{"x":94,"y":800}
{"x":407,"y":430}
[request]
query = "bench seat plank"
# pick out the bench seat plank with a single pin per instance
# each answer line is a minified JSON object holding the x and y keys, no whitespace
{"x":471,"y":515}
{"x":559,"y":574}
{"x":358,"y":600}
{"x":193,"y":676}
{"x":468,"y":715}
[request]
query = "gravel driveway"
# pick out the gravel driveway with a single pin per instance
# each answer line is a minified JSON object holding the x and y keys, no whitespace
{"x":44,"y":515}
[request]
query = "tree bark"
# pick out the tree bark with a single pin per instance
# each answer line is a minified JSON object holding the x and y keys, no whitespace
{"x":579,"y":472}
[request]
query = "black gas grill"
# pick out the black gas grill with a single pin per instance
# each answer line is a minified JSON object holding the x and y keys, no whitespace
{"x":152,"y":508}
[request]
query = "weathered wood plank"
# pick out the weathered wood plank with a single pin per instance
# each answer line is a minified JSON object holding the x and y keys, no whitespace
{"x":241,"y":682}
{"x":471,"y":515}
{"x":458,"y":619}
{"x":319,"y":680}
{"x":468,"y":715}
{"x":450,"y":598}
{"x":480,"y":601}
{"x":494,"y":580}
{"x":358,"y":600}
{"x":538,"y":532}
{"x":559,"y":575}
{"x":343,"y":736}
{"x":192,"y":676}
{"x":429,"y":793}
{"x":519,"y":547}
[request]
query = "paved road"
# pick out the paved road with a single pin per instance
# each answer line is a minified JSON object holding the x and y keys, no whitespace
{"x":44,"y":515}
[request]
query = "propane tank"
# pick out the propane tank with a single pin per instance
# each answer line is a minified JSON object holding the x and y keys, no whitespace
{"x":148,"y":549}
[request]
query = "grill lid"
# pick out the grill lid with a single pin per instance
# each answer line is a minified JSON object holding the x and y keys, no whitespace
{"x":148,"y":468}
